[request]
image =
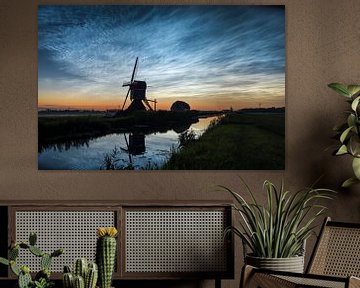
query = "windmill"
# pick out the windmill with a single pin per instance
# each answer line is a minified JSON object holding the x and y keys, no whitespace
{"x":137,"y":91}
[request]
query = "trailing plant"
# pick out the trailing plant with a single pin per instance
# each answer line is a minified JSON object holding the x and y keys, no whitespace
{"x":42,"y":278}
{"x":105,"y":254}
{"x":84,"y":275}
{"x":279,"y":229}
{"x":349,"y":132}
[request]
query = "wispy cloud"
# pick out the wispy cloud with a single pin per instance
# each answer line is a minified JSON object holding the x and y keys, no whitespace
{"x":184,"y":51}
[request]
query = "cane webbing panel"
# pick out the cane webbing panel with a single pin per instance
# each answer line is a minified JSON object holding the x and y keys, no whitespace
{"x":74,"y":231}
{"x":313,"y":282}
{"x":338,"y":252}
{"x":175,"y":241}
{"x":267,"y":280}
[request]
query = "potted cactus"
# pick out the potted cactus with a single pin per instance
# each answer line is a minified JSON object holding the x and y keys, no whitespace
{"x":85,"y":275}
{"x":106,"y":254}
{"x":42,"y":278}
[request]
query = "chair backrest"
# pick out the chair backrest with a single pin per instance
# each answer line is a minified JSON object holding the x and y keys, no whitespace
{"x":337,"y":251}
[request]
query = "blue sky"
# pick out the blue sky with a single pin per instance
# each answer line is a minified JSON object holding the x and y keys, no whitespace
{"x":209,"y":56}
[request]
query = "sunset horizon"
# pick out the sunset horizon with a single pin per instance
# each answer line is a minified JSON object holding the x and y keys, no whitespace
{"x":164,"y":105}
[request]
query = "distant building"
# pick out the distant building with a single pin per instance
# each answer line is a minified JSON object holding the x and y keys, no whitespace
{"x":179,"y":106}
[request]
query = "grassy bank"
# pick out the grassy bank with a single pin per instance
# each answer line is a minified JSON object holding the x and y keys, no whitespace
{"x":238,"y":142}
{"x":54,"y":130}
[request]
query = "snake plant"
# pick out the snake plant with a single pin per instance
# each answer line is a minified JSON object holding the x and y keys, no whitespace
{"x":279,"y":228}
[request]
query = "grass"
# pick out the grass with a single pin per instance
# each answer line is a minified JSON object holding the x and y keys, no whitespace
{"x":238,"y":142}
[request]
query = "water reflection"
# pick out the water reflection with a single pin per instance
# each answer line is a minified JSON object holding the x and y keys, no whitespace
{"x":136,"y":143}
{"x":134,"y":150}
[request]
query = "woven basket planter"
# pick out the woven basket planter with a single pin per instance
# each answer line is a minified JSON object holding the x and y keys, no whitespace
{"x":291,"y":264}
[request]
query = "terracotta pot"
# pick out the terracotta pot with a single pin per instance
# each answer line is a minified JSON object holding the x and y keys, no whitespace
{"x":291,"y":264}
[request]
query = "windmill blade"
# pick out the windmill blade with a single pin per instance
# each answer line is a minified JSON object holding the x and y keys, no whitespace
{"x":127,"y":95}
{"x":133,"y":74}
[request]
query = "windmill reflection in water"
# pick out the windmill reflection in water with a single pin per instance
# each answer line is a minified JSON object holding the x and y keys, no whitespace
{"x":135,"y":145}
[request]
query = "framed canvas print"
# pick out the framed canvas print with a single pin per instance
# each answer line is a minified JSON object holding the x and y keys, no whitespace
{"x":161,"y":87}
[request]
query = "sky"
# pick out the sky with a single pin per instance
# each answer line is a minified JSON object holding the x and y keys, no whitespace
{"x":212,"y":57}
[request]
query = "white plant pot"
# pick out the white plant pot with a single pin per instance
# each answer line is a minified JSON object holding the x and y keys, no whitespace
{"x":291,"y":264}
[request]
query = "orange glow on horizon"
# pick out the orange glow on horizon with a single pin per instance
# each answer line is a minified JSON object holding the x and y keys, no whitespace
{"x":61,"y":102}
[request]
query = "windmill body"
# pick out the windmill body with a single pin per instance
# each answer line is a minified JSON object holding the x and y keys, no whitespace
{"x":137,"y":91}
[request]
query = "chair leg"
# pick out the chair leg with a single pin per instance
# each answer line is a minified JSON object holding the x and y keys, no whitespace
{"x":246,"y":273}
{"x":354,"y":282}
{"x":250,"y":278}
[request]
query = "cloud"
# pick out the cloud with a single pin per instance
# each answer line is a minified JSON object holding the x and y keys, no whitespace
{"x":184,"y":51}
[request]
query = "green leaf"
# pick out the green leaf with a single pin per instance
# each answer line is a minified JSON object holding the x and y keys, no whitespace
{"x":354,"y":144}
{"x":4,"y":261}
{"x":355,"y":103}
{"x":342,"y":150}
{"x":356,"y":167}
{"x":345,"y":134}
{"x":353,"y":89}
{"x":349,"y":182}
{"x":340,"y":88}
{"x":351,"y":120}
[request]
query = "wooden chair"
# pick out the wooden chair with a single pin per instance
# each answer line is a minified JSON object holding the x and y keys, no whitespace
{"x":334,"y":263}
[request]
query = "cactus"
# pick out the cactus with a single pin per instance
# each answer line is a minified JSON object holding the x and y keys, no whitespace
{"x":24,"y":245}
{"x":79,"y":282}
{"x":24,"y":277}
{"x":91,"y":276}
{"x":42,"y":278}
{"x":45,"y":261}
{"x":13,"y":253}
{"x":32,"y":238}
{"x":68,"y":280}
{"x":105,"y":254}
{"x":57,"y":252}
{"x":67,"y":269}
{"x":90,"y":272}
{"x":14,"y":268}
{"x":36,"y":251}
{"x":44,"y":273}
{"x":80,"y":267}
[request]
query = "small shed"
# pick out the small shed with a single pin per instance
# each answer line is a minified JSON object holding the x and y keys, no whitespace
{"x":179,"y":106}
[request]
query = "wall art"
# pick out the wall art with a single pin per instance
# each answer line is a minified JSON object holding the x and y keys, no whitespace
{"x":161,"y":87}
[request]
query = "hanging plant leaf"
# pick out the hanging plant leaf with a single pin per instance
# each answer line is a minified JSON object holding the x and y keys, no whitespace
{"x":353,"y":89}
{"x":345,"y":134}
{"x":351,"y":120}
{"x":342,"y":150}
{"x":340,"y":88}
{"x":356,"y":167}
{"x":349,"y":182}
{"x":355,"y":103}
{"x":4,"y":261}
